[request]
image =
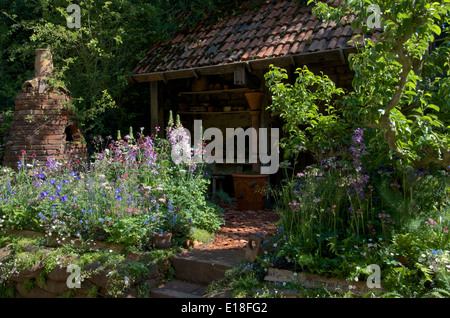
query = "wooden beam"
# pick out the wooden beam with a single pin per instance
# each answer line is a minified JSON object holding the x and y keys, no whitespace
{"x":197,"y":76}
{"x":164,"y":78}
{"x":154,"y":105}
{"x":240,"y":75}
{"x":342,"y":56}
{"x":338,"y":56}
{"x":249,"y":67}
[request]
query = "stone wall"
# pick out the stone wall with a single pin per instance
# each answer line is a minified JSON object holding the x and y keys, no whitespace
{"x":34,"y":283}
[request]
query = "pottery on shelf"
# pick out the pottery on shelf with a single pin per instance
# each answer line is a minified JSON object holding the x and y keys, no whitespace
{"x":254,"y":100}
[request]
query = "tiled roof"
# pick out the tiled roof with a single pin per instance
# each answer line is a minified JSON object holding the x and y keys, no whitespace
{"x":276,"y":28}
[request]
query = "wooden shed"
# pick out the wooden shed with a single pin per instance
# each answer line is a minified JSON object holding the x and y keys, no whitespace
{"x":206,"y":72}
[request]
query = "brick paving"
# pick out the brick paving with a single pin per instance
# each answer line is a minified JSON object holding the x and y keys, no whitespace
{"x":240,"y":224}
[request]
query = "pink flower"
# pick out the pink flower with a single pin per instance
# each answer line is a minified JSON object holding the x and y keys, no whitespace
{"x":431,"y":222}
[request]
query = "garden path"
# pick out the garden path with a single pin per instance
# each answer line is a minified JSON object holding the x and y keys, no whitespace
{"x":240,"y":224}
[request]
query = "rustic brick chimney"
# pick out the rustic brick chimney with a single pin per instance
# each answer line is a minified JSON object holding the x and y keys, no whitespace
{"x":43,"y":124}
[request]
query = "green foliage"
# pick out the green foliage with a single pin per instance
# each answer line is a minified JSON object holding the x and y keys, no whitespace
{"x":93,"y":60}
{"x":306,"y":107}
{"x":401,"y":84}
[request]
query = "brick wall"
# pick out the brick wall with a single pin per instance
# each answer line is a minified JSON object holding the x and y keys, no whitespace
{"x":39,"y":125}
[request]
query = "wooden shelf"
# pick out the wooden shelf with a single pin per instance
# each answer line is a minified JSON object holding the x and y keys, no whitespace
{"x":212,"y":113}
{"x":221,"y":91}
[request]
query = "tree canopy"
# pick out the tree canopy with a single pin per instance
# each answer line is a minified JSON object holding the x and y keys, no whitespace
{"x":401,"y":91}
{"x":92,"y":60}
{"x":401,"y":84}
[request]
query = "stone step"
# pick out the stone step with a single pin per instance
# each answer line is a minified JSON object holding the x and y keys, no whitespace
{"x":178,"y":289}
{"x":202,"y":265}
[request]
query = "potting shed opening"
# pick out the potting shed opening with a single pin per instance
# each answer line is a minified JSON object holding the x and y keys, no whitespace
{"x":206,"y":73}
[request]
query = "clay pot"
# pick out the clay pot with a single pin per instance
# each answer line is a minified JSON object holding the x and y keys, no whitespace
{"x":250,"y":190}
{"x":254,"y":100}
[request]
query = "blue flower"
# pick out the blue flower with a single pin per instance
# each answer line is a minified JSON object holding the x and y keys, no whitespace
{"x":73,"y":173}
{"x":63,"y":198}
{"x":66,"y":181}
{"x":44,"y":194}
{"x":51,"y":197}
{"x":58,"y":188}
{"x":118,"y":197}
{"x":41,"y":175}
{"x":118,"y":191}
{"x":52,"y":182}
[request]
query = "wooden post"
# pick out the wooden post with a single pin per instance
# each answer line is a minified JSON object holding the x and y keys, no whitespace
{"x":255,"y":114}
{"x":154,"y":105}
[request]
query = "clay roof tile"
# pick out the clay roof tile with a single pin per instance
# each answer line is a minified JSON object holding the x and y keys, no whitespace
{"x":277,"y":28}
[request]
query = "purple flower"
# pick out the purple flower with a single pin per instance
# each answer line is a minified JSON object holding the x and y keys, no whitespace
{"x":63,"y":198}
{"x":358,"y":149}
